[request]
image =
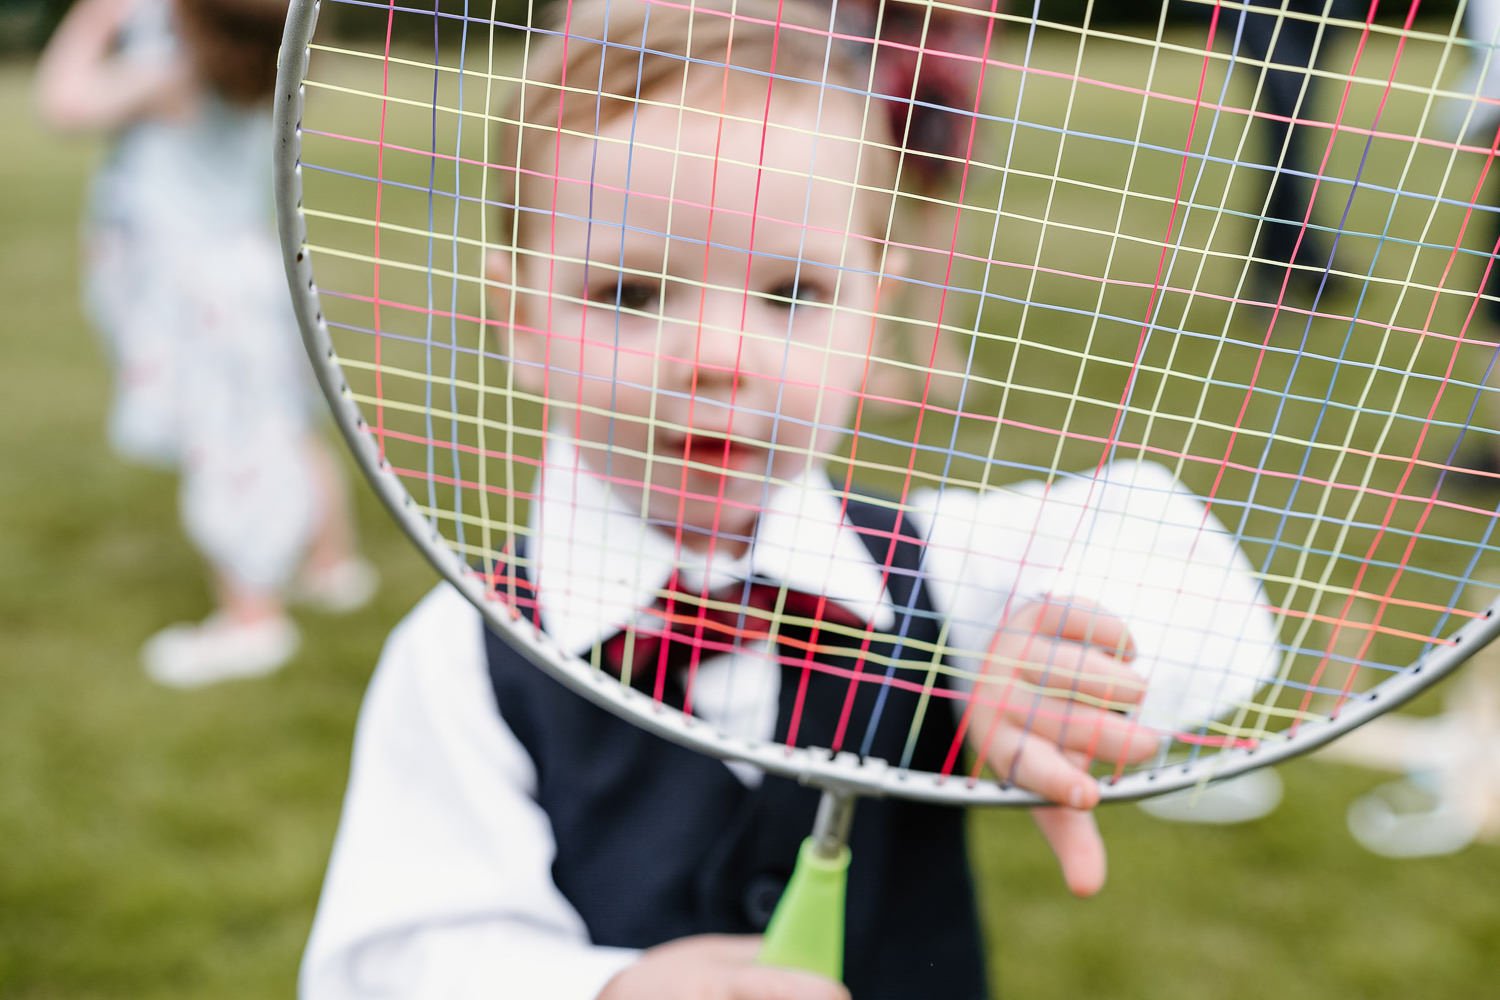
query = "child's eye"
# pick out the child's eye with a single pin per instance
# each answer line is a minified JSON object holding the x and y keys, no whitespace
{"x":802,"y":292}
{"x":628,"y":293}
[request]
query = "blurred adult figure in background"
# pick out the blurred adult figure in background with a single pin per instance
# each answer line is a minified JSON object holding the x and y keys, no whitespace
{"x":1476,"y":116}
{"x":1281,"y":41}
{"x":1472,"y":117}
{"x":183,"y":280}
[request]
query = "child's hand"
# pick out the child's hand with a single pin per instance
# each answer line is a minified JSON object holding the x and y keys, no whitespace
{"x":1056,"y":686}
{"x":714,"y":967}
{"x":82,"y":83}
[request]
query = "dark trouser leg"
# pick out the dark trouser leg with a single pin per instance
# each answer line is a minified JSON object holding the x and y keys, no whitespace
{"x":1491,"y":306}
{"x":1285,"y":93}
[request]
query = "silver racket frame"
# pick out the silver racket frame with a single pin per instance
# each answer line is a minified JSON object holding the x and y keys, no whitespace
{"x":840,"y":773}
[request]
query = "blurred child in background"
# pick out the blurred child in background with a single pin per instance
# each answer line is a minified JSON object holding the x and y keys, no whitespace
{"x":1281,"y":42}
{"x":929,"y":68}
{"x":183,"y":281}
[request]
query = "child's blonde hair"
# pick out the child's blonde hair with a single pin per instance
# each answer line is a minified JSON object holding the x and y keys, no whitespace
{"x":602,"y":58}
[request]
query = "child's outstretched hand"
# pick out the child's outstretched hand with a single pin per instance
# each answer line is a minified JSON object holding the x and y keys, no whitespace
{"x":714,"y":967}
{"x":1053,"y":696}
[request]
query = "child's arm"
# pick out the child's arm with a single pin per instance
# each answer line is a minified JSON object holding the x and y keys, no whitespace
{"x":440,"y":883}
{"x":83,"y":85}
{"x":440,"y":880}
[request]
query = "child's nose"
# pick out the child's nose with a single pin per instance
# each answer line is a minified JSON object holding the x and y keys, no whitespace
{"x":724,"y":353}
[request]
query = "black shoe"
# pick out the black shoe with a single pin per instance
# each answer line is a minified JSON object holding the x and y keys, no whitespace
{"x":1474,"y":471}
{"x":1316,"y":287}
{"x":1306,"y":288}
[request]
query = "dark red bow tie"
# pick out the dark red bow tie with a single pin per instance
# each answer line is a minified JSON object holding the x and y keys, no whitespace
{"x":691,"y":627}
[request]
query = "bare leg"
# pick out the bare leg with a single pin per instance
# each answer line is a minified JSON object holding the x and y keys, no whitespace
{"x":249,"y":635}
{"x":333,"y":540}
{"x":334,"y":577}
{"x":240,"y":604}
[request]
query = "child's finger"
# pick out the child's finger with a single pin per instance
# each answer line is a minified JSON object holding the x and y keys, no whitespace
{"x":1067,"y":669}
{"x":1099,"y":735}
{"x":1084,"y":622}
{"x":1075,"y":620}
{"x":760,"y":982}
{"x":731,"y":949}
{"x":1098,"y":729}
{"x":1074,"y":838}
{"x":1038,"y":765}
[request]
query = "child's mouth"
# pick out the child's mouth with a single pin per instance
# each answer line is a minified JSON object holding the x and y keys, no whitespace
{"x":717,"y":451}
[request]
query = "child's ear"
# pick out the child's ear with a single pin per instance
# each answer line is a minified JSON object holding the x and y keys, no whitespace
{"x":499,"y":284}
{"x":895,"y":269}
{"x":515,"y":340}
{"x":897,"y":263}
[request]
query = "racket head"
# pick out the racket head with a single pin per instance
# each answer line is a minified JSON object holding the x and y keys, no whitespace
{"x":1353,"y":636}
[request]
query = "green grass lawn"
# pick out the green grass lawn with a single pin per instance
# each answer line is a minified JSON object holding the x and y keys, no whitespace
{"x":166,"y":844}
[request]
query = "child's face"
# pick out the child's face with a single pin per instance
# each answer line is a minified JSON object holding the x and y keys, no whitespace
{"x":697,"y":323}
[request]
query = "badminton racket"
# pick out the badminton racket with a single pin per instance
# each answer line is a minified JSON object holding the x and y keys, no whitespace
{"x":1177,"y":324}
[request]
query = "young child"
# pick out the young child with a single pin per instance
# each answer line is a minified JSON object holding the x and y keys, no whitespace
{"x":184,"y":283}
{"x":696,"y":259}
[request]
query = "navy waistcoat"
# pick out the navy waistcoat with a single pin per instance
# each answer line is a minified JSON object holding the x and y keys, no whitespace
{"x":656,"y":842}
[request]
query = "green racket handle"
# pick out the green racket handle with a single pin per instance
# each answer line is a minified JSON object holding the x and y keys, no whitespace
{"x":807,"y":930}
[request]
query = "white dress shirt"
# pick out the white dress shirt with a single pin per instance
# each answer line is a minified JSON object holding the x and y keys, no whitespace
{"x":439,"y":885}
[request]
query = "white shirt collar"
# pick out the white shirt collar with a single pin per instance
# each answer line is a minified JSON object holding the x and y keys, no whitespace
{"x":596,"y":564}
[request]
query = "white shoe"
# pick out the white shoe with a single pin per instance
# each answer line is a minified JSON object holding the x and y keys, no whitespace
{"x":1410,"y":819}
{"x":338,"y":589}
{"x":214,"y":650}
{"x":1234,"y":800}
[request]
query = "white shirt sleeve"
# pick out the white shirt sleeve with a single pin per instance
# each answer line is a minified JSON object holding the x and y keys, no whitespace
{"x":1131,"y":540}
{"x":440,"y":882}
